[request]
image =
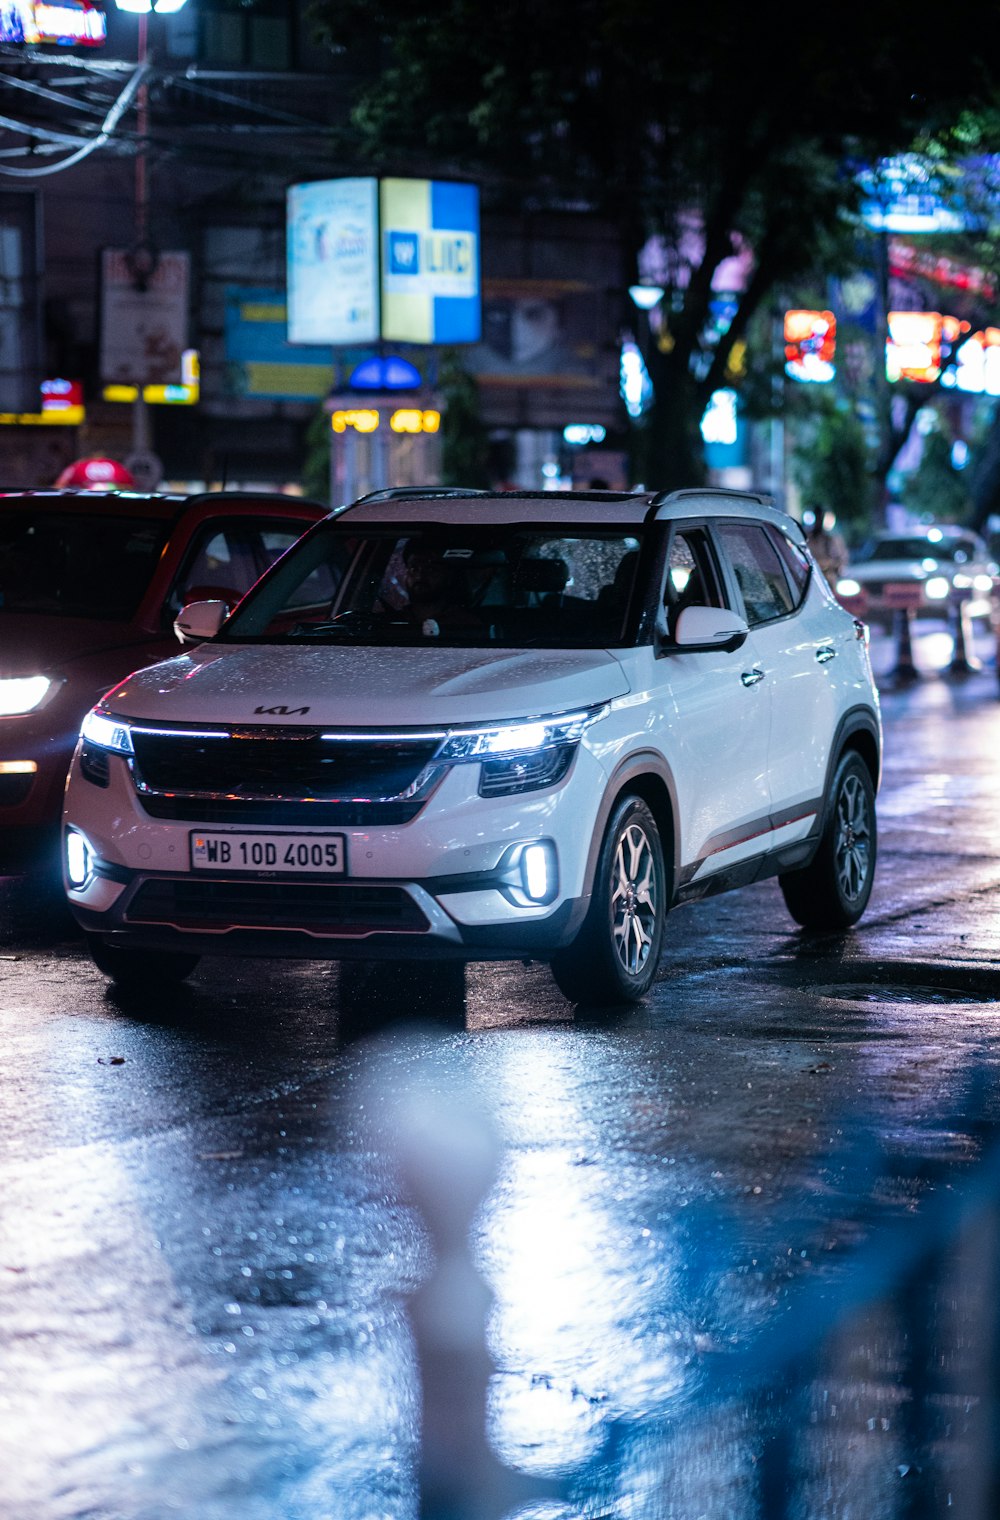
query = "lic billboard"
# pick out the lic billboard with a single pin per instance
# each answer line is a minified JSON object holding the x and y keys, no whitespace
{"x":396,"y":260}
{"x":430,"y":261}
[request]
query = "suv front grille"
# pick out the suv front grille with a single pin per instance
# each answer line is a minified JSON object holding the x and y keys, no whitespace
{"x":266,"y":814}
{"x":302,"y":765}
{"x":319,"y":908}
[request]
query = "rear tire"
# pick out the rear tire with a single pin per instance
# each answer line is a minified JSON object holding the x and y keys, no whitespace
{"x":146,"y":969}
{"x":615,"y":955}
{"x":832,"y":891}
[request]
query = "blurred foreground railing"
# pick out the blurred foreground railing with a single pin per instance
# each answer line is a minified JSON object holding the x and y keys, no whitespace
{"x":932,"y":1277}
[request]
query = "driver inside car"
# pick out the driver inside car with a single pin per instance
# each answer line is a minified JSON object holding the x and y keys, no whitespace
{"x":437,"y":588}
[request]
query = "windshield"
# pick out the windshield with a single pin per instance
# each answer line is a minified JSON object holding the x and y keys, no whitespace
{"x":77,"y":565}
{"x":519,"y":586}
{"x":960,"y":549}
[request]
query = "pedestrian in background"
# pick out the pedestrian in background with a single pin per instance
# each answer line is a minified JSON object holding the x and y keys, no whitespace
{"x":827,"y":545}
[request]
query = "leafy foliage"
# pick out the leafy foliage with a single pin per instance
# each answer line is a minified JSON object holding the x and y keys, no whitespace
{"x":465,"y":445}
{"x":316,"y":464}
{"x":833,"y":465}
{"x":937,"y":490}
{"x":715,"y":128}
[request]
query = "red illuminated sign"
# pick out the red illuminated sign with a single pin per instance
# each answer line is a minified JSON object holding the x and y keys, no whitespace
{"x":68,"y":23}
{"x":810,"y":344}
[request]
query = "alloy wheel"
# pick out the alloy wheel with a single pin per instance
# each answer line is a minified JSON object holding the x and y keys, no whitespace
{"x":852,"y":847}
{"x":634,"y":907}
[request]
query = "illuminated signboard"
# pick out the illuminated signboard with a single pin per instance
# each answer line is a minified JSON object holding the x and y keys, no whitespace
{"x":259,"y":359}
{"x":430,"y":261}
{"x":396,"y":259}
{"x":977,"y":364}
{"x":68,"y":23}
{"x":810,"y":344}
{"x":918,"y":343}
{"x":62,"y":403}
{"x":333,"y":292}
{"x":406,"y":419}
{"x":188,"y":393}
{"x":911,"y":194}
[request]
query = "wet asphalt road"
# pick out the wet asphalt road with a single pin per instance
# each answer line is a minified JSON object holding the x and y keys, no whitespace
{"x":217,"y":1203}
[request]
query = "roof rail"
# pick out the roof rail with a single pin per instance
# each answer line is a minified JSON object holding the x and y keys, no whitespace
{"x":662,"y":497}
{"x":420,"y":493}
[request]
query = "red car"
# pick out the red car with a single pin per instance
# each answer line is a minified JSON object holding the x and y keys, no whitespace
{"x":90,"y":584}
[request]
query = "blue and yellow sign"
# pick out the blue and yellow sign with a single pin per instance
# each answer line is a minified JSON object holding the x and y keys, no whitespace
{"x":430,"y":261}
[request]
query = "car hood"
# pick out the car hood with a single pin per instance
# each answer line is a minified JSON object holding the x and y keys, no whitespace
{"x":35,"y":644}
{"x":366,"y":687}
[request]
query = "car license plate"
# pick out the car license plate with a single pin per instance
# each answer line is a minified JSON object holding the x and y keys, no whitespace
{"x":903,"y":593}
{"x":302,"y":854}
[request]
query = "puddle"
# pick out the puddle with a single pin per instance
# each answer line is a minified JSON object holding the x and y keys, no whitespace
{"x":897,"y":993}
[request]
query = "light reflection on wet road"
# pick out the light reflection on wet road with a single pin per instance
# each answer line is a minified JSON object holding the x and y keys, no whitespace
{"x":207,"y":1241}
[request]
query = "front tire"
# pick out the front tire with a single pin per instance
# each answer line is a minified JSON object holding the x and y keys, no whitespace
{"x":146,"y":969}
{"x":615,"y":955}
{"x":832,"y":892}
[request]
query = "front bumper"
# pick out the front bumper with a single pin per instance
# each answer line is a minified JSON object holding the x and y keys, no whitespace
{"x":880,"y":604}
{"x":429,"y":888}
{"x":427,"y":931}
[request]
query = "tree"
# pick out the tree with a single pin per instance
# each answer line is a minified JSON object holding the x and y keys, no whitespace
{"x":833,"y":464}
{"x":718,"y":129}
{"x":465,"y":443}
{"x":936,"y":490}
{"x":316,"y":464}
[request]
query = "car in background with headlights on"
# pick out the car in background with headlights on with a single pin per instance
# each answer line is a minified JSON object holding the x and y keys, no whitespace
{"x":90,"y":584}
{"x":925,"y":570}
{"x":474,"y":726}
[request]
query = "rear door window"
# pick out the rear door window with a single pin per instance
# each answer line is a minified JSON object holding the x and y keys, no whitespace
{"x":758,"y":571}
{"x":796,"y":562}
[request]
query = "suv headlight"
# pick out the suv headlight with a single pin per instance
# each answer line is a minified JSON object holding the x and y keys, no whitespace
{"x":22,"y":694}
{"x":107,"y":733}
{"x":522,"y":756}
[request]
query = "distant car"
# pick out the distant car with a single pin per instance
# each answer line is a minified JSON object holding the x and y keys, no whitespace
{"x":477,"y":727}
{"x":926,"y":570}
{"x":90,"y":584}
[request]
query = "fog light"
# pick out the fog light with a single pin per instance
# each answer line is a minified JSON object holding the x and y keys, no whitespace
{"x":937,"y":589}
{"x":537,"y":872}
{"x":77,"y":858}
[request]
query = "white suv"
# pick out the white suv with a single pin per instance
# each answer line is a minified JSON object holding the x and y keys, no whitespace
{"x":465,"y":725}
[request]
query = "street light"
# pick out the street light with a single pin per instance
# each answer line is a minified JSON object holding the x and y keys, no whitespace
{"x":643,"y":296}
{"x":143,"y":259}
{"x":143,"y":7}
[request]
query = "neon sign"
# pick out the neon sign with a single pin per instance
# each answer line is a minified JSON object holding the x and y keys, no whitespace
{"x":918,"y":343}
{"x":67,"y":23}
{"x":810,"y":344}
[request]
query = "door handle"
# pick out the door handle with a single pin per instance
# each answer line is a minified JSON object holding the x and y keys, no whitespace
{"x":825,"y":652}
{"x":751,"y":677}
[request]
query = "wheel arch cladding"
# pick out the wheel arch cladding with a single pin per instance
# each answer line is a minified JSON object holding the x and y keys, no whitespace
{"x":656,"y":795}
{"x":862,"y":741}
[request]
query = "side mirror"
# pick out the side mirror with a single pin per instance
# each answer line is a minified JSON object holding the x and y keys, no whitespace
{"x":707,"y":628}
{"x":200,"y":620}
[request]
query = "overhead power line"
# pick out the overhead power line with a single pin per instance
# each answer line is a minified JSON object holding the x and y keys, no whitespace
{"x":108,"y":126}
